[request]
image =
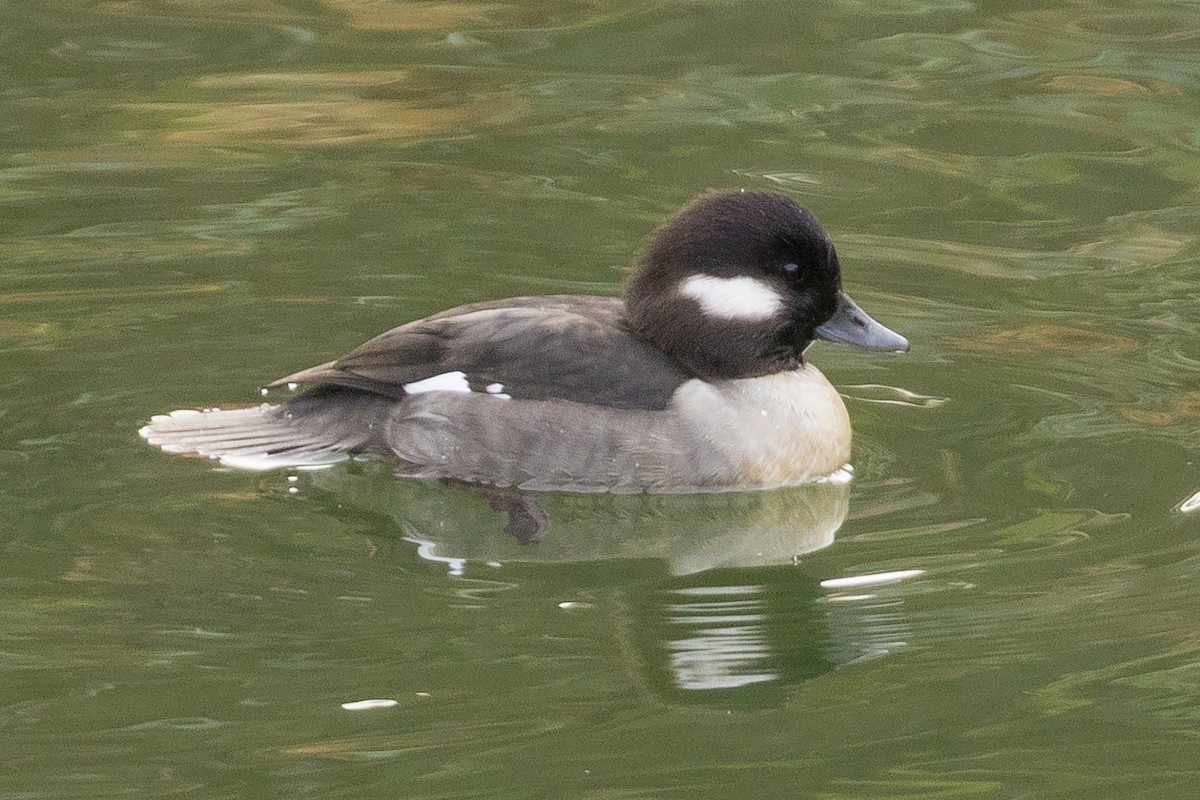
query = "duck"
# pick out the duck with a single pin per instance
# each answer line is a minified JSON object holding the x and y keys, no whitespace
{"x":694,"y":380}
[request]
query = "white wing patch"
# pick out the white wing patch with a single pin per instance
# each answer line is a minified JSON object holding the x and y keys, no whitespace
{"x":497,"y":390}
{"x":742,"y":298}
{"x":453,"y":382}
{"x":446,"y":382}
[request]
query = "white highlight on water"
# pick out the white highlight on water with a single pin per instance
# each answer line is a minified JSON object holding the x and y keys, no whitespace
{"x":364,"y":705}
{"x":427,"y":550}
{"x":871,"y":580}
{"x":843,"y":474}
{"x":890,"y":395}
{"x":1191,"y":504}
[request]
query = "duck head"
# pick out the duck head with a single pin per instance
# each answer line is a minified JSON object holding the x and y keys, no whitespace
{"x":739,"y":283}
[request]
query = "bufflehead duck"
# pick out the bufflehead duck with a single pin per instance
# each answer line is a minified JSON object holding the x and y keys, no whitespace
{"x":695,"y":381}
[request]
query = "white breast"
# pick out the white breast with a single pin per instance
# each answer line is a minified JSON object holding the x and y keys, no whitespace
{"x":787,"y":428}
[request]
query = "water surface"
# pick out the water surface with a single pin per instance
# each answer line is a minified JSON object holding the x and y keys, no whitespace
{"x":200,"y":197}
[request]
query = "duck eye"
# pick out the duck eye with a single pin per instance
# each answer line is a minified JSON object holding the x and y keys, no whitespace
{"x":791,"y":268}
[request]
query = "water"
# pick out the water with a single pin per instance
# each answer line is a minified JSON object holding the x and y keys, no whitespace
{"x":200,"y":197}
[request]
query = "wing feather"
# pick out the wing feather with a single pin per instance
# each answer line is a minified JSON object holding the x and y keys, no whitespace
{"x":535,"y":348}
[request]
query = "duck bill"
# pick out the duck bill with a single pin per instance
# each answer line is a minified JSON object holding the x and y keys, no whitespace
{"x":851,"y":325}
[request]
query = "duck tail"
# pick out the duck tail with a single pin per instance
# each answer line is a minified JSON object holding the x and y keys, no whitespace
{"x":315,"y":430}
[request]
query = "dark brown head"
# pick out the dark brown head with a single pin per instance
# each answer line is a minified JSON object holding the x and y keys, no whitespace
{"x":739,"y":283}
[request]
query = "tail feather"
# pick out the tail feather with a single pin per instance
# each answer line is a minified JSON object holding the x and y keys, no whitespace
{"x":306,"y":433}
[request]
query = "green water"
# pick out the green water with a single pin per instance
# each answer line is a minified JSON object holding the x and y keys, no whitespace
{"x":197,"y":197}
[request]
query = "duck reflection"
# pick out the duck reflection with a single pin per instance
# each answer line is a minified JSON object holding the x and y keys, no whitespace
{"x":690,"y":533}
{"x":736,"y":622}
{"x":729,"y":644}
{"x":724,"y":643}
{"x":717,"y":639}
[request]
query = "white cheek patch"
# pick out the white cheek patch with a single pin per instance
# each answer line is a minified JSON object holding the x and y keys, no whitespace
{"x":446,"y":382}
{"x":741,"y":298}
